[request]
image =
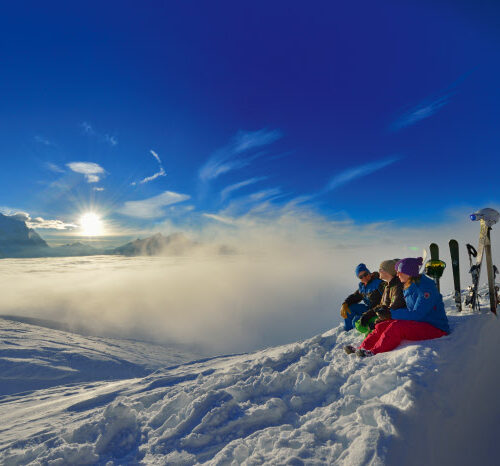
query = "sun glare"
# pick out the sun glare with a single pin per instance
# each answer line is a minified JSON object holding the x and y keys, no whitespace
{"x":91,"y":224}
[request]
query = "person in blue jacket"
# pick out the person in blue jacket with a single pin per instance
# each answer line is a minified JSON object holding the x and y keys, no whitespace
{"x":370,"y":290}
{"x":423,"y":318}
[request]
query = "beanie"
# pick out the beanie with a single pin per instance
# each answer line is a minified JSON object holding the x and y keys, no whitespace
{"x":389,"y":266}
{"x":410,"y":266}
{"x":361,"y":268}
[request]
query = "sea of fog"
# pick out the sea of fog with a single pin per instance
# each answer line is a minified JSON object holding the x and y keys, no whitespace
{"x":286,"y":283}
{"x":213,"y":304}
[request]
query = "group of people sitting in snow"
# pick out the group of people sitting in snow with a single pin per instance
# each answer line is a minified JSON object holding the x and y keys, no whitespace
{"x":394,"y":304}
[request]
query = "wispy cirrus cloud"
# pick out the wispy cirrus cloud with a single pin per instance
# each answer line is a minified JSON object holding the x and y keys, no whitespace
{"x":44,"y":141}
{"x":227,"y":191}
{"x":239,"y":153}
{"x":420,"y":112}
{"x":342,"y":178}
{"x":87,"y":127}
{"x":152,"y":207}
{"x":54,"y":168}
{"x":92,"y":171}
{"x":253,"y":201}
{"x":360,"y":171}
{"x":110,"y":139}
{"x":220,"y":218}
{"x":161,"y":172}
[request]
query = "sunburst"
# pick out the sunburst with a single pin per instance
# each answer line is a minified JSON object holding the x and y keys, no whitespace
{"x":91,"y":224}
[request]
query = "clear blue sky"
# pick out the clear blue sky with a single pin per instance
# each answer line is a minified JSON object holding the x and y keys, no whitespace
{"x":372,"y":110}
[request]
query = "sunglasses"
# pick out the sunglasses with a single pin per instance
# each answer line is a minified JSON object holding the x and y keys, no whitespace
{"x":363,"y":275}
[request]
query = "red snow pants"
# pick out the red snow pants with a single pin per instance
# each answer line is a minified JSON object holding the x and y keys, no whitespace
{"x":390,"y":333}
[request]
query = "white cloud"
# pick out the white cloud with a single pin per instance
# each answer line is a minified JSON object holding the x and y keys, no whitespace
{"x":43,"y":141}
{"x":220,"y":218}
{"x":353,"y":173}
{"x":238,"y":153}
{"x":265,"y":194}
{"x":234,"y":187}
{"x":154,"y":176}
{"x":111,"y":140}
{"x":87,"y":127}
{"x":259,"y":200}
{"x":91,"y":171}
{"x":107,"y":138}
{"x":156,"y":156}
{"x":10,"y":211}
{"x":152,"y":207}
{"x":38,"y":222}
{"x":420,"y":112}
{"x":98,"y":189}
{"x":53,"y":167}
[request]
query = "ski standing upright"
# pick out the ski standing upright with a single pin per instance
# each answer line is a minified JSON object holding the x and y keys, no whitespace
{"x":455,"y":264}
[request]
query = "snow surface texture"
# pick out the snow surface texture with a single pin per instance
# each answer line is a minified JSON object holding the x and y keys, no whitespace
{"x":431,"y":403}
{"x":33,"y":357}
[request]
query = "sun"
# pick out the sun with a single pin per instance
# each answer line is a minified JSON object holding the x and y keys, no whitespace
{"x":91,"y":224}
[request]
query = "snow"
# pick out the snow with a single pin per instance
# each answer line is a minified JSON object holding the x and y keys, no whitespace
{"x":431,"y":402}
{"x":34,"y":357}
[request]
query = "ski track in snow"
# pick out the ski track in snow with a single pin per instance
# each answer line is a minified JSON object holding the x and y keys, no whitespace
{"x":302,"y":403}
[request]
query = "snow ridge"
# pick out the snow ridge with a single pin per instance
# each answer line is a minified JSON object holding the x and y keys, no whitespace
{"x":302,"y":403}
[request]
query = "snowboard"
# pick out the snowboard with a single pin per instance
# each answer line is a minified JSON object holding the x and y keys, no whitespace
{"x":434,"y":267}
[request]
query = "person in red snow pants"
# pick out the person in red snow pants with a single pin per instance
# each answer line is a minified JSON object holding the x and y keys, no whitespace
{"x":423,"y":318}
{"x":390,"y":333}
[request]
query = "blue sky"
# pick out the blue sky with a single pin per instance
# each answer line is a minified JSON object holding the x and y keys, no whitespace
{"x":195,"y":112}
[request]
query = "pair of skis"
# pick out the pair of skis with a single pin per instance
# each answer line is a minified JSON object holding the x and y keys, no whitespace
{"x":434,"y":268}
{"x":487,"y":218}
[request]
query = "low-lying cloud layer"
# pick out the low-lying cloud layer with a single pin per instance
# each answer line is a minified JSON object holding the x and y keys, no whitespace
{"x":287,"y":282}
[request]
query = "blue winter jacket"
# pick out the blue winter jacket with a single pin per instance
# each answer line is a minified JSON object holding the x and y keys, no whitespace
{"x":424,"y":303}
{"x":370,"y":294}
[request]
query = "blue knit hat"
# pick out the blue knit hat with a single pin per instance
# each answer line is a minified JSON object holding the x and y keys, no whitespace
{"x":361,"y":268}
{"x":410,"y":266}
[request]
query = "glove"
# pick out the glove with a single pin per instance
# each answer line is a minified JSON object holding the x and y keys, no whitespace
{"x":344,"y":310}
{"x":383,"y":313}
{"x":364,"y":321}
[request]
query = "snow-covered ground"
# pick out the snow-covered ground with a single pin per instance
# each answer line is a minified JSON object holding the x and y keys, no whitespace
{"x":90,"y":402}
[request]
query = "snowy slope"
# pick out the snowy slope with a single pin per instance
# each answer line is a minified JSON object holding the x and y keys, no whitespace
{"x":34,"y":357}
{"x":302,"y":403}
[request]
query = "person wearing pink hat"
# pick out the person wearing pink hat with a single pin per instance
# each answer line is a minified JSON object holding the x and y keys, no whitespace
{"x":423,"y":318}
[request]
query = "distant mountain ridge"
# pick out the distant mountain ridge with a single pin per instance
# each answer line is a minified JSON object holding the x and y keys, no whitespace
{"x":157,"y":245}
{"x":17,"y":240}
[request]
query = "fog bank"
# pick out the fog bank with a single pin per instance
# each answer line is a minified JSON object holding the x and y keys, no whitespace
{"x":286,"y":283}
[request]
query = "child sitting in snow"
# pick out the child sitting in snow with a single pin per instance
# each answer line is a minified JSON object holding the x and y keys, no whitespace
{"x":423,"y":318}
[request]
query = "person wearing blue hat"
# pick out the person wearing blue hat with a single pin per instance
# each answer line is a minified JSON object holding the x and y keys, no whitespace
{"x":370,"y":290}
{"x":422,"y":318}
